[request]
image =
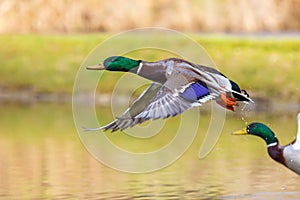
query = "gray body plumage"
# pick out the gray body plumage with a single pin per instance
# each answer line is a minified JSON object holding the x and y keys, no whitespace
{"x":292,"y":158}
{"x":291,"y":153}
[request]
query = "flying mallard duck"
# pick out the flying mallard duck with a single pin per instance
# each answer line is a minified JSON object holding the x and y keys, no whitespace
{"x":288,"y":155}
{"x":177,"y":86}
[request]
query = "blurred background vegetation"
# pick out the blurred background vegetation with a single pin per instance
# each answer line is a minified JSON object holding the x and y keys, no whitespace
{"x":67,"y":16}
{"x":256,"y":43}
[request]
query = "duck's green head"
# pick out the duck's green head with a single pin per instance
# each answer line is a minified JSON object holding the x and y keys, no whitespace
{"x":117,"y":63}
{"x":259,"y":130}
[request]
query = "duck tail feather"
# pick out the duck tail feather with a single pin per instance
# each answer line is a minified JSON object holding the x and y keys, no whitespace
{"x":243,"y":95}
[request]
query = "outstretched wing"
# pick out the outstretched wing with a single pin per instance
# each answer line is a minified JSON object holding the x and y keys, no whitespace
{"x":172,"y":101}
{"x":162,"y":101}
{"x":127,"y":119}
{"x":164,"y":105}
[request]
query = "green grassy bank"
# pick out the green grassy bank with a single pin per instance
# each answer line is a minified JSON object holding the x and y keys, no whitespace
{"x":49,"y":63}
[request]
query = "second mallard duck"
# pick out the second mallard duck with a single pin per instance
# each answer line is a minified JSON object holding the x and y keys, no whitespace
{"x":288,"y":155}
{"x":177,"y":86}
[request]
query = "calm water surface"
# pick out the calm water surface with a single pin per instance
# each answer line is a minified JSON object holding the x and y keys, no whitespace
{"x":42,"y":157}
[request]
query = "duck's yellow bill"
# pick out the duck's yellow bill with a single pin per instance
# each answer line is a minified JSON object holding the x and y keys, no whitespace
{"x":240,"y":132}
{"x":96,"y":67}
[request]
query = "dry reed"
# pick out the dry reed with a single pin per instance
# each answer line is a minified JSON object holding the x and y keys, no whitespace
{"x":57,"y":16}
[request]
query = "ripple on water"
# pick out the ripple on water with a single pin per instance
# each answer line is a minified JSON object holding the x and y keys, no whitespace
{"x":265,"y":195}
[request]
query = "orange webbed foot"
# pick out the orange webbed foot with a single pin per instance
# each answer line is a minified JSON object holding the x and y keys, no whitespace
{"x":229,"y":102}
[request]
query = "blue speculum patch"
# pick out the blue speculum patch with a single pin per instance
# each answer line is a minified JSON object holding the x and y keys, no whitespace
{"x":195,"y":91}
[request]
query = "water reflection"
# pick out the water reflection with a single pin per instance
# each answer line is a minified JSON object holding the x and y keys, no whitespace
{"x":43,"y":158}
